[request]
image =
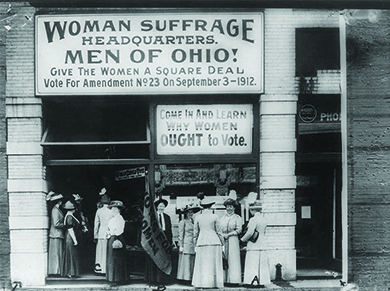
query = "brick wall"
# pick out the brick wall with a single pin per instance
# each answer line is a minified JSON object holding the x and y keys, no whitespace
{"x":25,"y":182}
{"x":368,"y":71}
{"x":4,"y":230}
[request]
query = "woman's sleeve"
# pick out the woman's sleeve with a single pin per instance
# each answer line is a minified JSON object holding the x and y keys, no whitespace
{"x":181,"y":233}
{"x":96,"y":226}
{"x":58,"y":221}
{"x":218,"y":229}
{"x":250,"y":231}
{"x":196,"y":231}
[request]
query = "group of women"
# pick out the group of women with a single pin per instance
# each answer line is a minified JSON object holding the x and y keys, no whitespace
{"x":204,"y":242}
{"x":67,"y":225}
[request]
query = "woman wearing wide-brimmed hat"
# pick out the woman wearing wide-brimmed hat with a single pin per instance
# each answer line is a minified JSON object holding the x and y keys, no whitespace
{"x":256,"y":259}
{"x":56,"y":235}
{"x":208,"y":271}
{"x":116,"y":272}
{"x":72,"y":227}
{"x":102,"y":216}
{"x":186,"y":261}
{"x":231,"y":228}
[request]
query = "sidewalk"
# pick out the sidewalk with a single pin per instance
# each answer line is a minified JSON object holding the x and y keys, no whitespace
{"x":300,"y":285}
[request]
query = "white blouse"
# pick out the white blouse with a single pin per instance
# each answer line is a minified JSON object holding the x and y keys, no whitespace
{"x":116,"y":225}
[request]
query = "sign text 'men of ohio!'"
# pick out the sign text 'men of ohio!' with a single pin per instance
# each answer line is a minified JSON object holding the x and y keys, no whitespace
{"x":166,"y":53}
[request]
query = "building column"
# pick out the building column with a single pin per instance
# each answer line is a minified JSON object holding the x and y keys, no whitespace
{"x":5,"y":248}
{"x":28,"y":220}
{"x":278,"y":108}
{"x":278,"y":181}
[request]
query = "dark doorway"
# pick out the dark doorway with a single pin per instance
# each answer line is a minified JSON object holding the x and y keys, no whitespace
{"x":318,"y":208}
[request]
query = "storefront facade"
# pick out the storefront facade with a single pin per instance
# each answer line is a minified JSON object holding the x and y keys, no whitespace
{"x":197,"y":100}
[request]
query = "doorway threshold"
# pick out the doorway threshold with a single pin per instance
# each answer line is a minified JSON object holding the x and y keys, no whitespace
{"x":317,"y":274}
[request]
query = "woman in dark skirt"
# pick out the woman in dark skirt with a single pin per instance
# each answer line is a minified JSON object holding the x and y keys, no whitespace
{"x":71,"y":254}
{"x":116,"y":272}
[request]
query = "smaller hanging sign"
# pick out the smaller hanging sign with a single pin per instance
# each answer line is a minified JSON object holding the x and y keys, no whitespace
{"x":130,"y":174}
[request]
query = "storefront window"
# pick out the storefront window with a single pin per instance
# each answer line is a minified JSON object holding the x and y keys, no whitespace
{"x":96,"y":130}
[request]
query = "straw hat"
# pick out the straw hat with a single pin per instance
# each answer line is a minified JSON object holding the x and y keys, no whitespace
{"x":69,"y":206}
{"x":51,"y":196}
{"x":207,"y":202}
{"x":195,"y":208}
{"x":116,"y":203}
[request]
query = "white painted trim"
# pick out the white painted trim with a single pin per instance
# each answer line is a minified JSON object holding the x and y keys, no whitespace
{"x":278,"y":107}
{"x":278,"y":182}
{"x":24,"y":148}
{"x":28,"y":222}
{"x":27,"y":185}
{"x":278,"y":97}
{"x":281,"y":218}
{"x":278,"y":145}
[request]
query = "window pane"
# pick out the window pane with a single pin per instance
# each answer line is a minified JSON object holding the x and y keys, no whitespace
{"x":95,"y":121}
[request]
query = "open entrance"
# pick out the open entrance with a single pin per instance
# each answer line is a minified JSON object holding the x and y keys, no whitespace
{"x":87,"y":181}
{"x":318,"y":229}
{"x":90,"y":144}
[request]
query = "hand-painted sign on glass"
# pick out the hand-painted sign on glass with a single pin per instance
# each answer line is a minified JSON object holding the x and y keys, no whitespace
{"x":204,"y":129}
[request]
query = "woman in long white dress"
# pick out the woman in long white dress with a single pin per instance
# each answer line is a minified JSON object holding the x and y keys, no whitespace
{"x":231,"y":227}
{"x":102,"y":217}
{"x":208,"y":271}
{"x":256,"y":260}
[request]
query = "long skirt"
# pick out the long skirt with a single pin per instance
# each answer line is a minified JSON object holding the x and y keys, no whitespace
{"x":208,"y":271}
{"x":153,"y":274}
{"x":232,"y":251}
{"x":116,"y":270}
{"x":185,"y":267}
{"x":71,"y":257}
{"x":256,"y":266}
{"x":101,"y":256}
{"x":56,"y":256}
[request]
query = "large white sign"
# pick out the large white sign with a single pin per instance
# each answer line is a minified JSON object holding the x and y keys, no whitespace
{"x":204,"y":129}
{"x":153,"y":53}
